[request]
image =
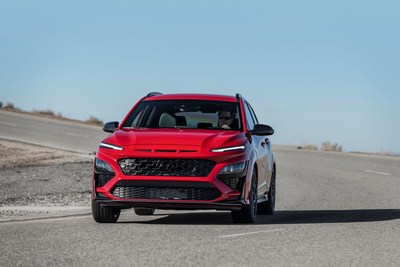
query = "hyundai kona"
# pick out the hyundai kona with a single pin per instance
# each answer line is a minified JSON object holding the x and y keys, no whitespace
{"x":185,"y":151}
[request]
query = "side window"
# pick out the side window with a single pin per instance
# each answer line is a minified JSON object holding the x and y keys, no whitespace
{"x":249,"y":117}
{"x":253,"y":114}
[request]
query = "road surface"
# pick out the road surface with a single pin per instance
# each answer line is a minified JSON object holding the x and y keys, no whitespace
{"x":65,"y":135}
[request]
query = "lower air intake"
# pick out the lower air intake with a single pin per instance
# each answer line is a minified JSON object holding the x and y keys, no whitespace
{"x":235,"y":183}
{"x":166,"y":193}
{"x":103,"y":178}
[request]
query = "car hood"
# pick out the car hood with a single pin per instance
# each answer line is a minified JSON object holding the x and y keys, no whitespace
{"x":176,"y":137}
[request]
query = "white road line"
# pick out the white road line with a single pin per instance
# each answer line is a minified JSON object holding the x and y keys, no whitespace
{"x":8,"y":124}
{"x":55,"y":217}
{"x":78,"y":135}
{"x":383,"y":173}
{"x":44,"y":208}
{"x":251,"y":233}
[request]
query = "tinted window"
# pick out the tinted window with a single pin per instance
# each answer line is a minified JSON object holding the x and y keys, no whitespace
{"x":253,"y":114}
{"x":249,"y":117}
{"x":182,"y":114}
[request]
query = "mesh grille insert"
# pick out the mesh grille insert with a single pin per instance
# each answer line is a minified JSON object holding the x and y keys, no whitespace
{"x":103,"y":178}
{"x":235,"y":183}
{"x":166,"y":167}
{"x":170,"y":193}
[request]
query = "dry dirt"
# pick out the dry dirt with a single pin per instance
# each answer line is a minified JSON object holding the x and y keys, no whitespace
{"x":16,"y":155}
{"x":36,"y":180}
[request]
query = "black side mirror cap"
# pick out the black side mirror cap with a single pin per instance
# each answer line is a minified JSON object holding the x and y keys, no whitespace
{"x":111,"y":127}
{"x":262,"y":129}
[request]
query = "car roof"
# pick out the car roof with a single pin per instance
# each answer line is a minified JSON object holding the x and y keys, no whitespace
{"x":211,"y":97}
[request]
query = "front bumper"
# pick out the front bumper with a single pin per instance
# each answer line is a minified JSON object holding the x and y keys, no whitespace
{"x":214,"y":191}
{"x":184,"y":205}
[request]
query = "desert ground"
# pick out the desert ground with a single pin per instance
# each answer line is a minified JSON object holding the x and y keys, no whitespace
{"x":38,"y":181}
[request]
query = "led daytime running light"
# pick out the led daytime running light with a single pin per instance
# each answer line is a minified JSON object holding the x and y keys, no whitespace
{"x":105,"y":145}
{"x":228,"y":149}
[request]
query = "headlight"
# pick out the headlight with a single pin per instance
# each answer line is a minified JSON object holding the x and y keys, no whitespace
{"x":227,"y":149}
{"x":102,"y":166}
{"x":234,"y":168}
{"x":105,"y":145}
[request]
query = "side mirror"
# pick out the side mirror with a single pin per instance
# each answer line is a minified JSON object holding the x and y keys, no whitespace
{"x":110,"y":127}
{"x":262,"y":129}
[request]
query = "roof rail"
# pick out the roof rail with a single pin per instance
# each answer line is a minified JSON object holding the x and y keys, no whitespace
{"x":153,"y":94}
{"x":238,"y":96}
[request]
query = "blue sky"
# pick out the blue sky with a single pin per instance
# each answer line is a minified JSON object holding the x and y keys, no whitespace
{"x":314,"y":70}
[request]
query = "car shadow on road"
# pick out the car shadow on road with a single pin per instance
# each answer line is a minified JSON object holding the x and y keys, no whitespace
{"x":331,"y":216}
{"x":280,"y":217}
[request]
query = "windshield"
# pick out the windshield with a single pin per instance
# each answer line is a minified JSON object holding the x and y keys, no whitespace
{"x":193,"y":114}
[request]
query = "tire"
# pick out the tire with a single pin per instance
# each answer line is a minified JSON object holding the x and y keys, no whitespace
{"x":248,"y":213}
{"x":144,"y":211}
{"x":105,"y":215}
{"x":268,"y":207}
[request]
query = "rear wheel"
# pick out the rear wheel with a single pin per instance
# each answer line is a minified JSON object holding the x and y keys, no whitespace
{"x":249,"y":212}
{"x":268,"y":207}
{"x":144,"y":211}
{"x":104,"y":215}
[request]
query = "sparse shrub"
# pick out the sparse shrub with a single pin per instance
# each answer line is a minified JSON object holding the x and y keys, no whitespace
{"x":48,"y":112}
{"x":310,"y":147}
{"x":1,"y":104}
{"x":9,"y":105}
{"x":327,"y":146}
{"x":94,"y":120}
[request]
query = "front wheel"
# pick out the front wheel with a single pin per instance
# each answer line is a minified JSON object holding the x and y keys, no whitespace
{"x":249,"y":212}
{"x":104,"y":215}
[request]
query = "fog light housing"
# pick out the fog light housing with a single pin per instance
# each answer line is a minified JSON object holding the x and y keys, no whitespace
{"x":235,"y":168}
{"x":102,"y":166}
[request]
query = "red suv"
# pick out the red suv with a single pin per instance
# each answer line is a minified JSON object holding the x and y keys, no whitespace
{"x":185,"y":151}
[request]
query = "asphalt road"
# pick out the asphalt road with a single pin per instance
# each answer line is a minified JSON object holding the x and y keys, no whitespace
{"x":333,"y":209}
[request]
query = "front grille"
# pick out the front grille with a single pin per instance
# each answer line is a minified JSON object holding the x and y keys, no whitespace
{"x":171,"y":193}
{"x":235,"y":183}
{"x":166,"y":167}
